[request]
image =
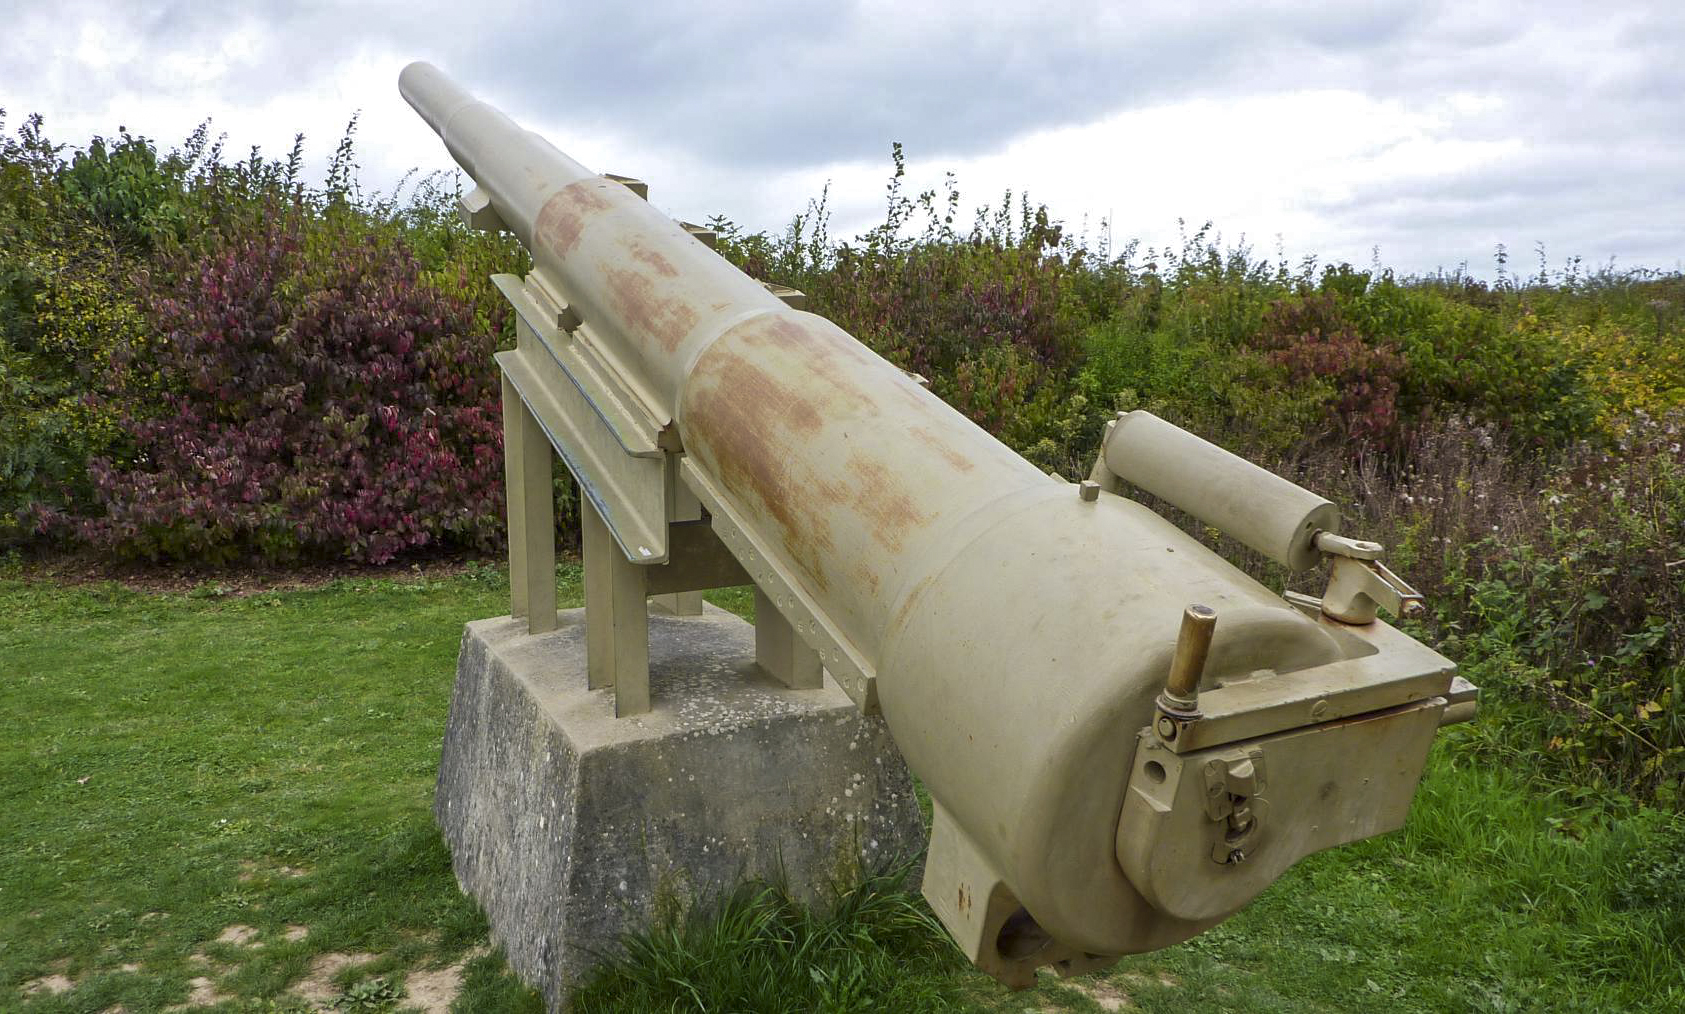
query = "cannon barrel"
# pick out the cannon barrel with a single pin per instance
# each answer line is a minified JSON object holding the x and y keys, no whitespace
{"x":1016,"y":630}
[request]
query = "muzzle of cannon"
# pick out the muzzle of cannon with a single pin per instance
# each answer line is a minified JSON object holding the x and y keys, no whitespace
{"x":1125,"y":737}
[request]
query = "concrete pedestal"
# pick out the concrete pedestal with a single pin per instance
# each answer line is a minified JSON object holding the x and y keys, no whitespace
{"x":571,"y":827}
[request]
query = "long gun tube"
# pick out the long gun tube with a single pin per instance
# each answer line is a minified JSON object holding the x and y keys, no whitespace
{"x":1015,"y":634}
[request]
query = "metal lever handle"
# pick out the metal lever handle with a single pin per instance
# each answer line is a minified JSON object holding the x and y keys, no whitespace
{"x":1357,"y":588}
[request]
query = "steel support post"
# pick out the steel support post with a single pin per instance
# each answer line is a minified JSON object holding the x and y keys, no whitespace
{"x":529,"y":495}
{"x":785,"y":656}
{"x":616,"y":617}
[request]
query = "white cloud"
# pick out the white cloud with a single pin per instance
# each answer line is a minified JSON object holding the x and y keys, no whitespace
{"x":1433,"y":130}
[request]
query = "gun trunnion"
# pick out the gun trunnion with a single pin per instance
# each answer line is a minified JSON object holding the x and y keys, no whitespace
{"x":1125,"y":737}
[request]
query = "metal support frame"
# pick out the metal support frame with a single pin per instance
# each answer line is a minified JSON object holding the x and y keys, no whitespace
{"x":778,"y":650}
{"x":619,"y":592}
{"x":530,"y":496}
{"x":616,"y":617}
{"x":682,"y":505}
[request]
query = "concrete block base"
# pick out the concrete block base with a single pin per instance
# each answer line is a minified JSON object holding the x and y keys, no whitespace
{"x":571,"y":827}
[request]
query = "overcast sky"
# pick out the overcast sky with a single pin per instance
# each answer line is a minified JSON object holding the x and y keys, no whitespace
{"x":1434,"y":131}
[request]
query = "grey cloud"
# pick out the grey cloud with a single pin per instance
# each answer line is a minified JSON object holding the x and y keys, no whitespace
{"x":790,"y":84}
{"x":1572,"y":201}
{"x":1595,"y":96}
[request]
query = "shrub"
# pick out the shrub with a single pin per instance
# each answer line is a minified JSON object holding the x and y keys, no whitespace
{"x":202,"y":360}
{"x":1556,"y":584}
{"x":65,"y":305}
{"x":329,"y":408}
{"x":1471,"y":359}
{"x":122,"y":187}
{"x":1311,"y":339}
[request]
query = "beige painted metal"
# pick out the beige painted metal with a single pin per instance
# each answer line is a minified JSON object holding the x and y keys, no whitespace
{"x":616,"y":619}
{"x":1379,"y":668}
{"x":1254,"y":506}
{"x":1359,"y":583}
{"x":1187,"y":665}
{"x":595,"y":423}
{"x":1015,"y":630}
{"x":1209,"y":830}
{"x":529,"y":493}
{"x":682,"y":506}
{"x":780,"y":652}
{"x":697,"y":561}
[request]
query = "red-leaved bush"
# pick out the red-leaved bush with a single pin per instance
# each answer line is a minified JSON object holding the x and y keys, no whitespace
{"x":317,"y":404}
{"x":1310,"y":337}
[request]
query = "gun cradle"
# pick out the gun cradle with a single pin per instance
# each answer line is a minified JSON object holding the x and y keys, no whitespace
{"x":1015,"y":630}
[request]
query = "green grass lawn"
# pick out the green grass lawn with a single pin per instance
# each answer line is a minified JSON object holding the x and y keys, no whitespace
{"x":227,"y":799}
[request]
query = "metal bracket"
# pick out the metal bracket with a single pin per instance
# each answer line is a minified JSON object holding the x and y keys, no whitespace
{"x":1360,"y":583}
{"x":597,"y":424}
{"x":477,"y":212}
{"x":1233,"y":787}
{"x":704,"y":235}
{"x":795,"y":299}
{"x":1102,"y":475}
{"x":633,"y":184}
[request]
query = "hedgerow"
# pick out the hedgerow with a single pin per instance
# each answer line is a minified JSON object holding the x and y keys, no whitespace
{"x":211,"y":361}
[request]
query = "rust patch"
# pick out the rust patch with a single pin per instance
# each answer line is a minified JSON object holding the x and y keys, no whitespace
{"x":654,"y":259}
{"x":566,"y":214}
{"x":739,"y":410}
{"x":909,"y":603}
{"x":867,"y":576}
{"x":830,"y":347}
{"x":960,"y":462}
{"x":760,"y":394}
{"x":829,"y":354}
{"x":813,"y":337}
{"x":645,"y":311}
{"x":880,"y":500}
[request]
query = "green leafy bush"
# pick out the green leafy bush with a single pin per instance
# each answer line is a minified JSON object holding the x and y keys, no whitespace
{"x":65,"y":308}
{"x":212,"y":361}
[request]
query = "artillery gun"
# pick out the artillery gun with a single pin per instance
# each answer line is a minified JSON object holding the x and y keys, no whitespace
{"x":1125,"y":737}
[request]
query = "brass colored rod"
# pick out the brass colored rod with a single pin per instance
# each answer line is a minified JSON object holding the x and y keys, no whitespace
{"x":1193,"y":643}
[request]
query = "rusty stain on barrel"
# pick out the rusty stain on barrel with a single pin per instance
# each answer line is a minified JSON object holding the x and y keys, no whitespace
{"x":654,"y":258}
{"x":728,"y":419}
{"x":648,"y":314}
{"x":754,"y":418}
{"x":566,"y":214}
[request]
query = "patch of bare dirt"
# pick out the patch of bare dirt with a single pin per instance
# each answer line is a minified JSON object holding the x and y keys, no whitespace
{"x":202,"y":992}
{"x":293,"y":934}
{"x":434,"y":990}
{"x":1106,"y":995}
{"x":208,"y":963}
{"x":51,"y":985}
{"x":318,"y":987}
{"x":239,"y":936}
{"x":250,"y":871}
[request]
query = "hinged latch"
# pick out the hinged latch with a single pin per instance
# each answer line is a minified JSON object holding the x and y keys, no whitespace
{"x":1232,"y":796}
